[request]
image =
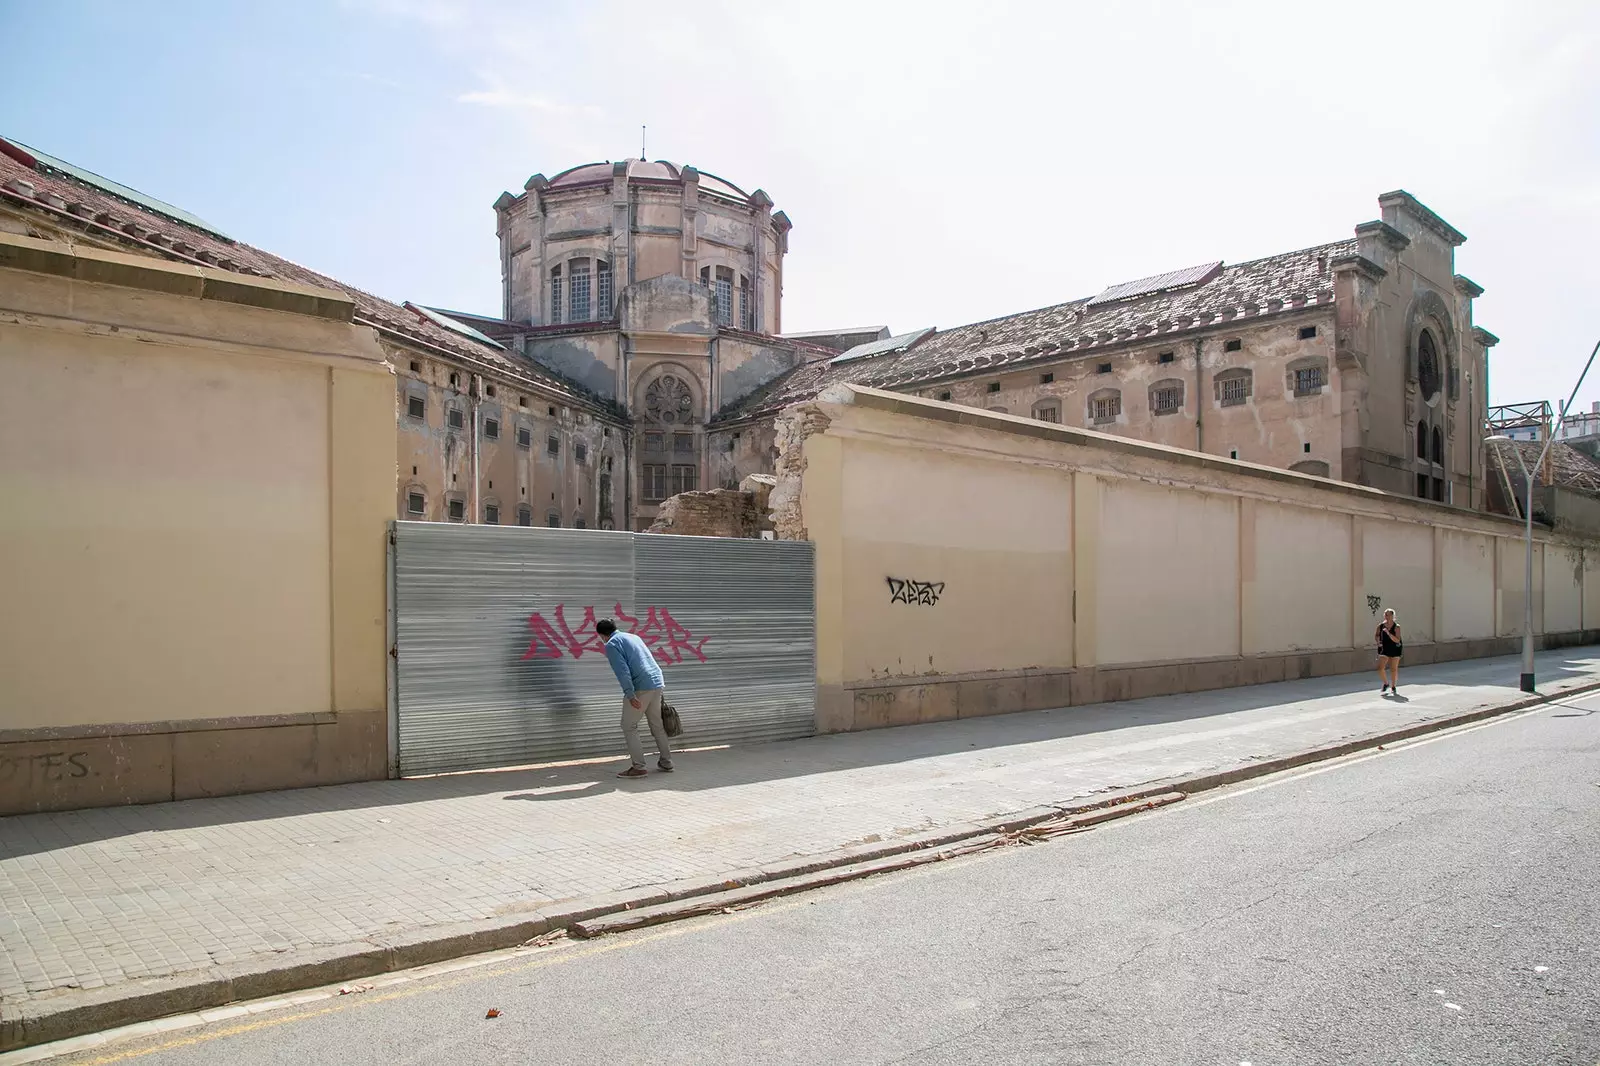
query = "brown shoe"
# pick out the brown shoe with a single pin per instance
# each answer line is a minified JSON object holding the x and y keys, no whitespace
{"x":634,"y":771}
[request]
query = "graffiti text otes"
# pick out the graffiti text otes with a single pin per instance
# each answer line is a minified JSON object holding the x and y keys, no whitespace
{"x":666,"y":637}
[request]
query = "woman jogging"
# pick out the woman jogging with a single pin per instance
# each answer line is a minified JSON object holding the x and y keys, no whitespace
{"x":1390,"y":649}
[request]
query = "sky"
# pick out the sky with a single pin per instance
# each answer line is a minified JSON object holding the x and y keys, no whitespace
{"x":942,"y":162}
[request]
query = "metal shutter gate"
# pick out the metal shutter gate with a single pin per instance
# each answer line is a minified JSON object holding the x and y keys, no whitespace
{"x":496,"y":662}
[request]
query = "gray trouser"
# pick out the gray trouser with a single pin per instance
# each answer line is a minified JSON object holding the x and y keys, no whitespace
{"x":649,"y":707}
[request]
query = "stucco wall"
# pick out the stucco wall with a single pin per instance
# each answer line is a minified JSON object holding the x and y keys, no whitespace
{"x":1067,"y":566}
{"x":196,"y":496}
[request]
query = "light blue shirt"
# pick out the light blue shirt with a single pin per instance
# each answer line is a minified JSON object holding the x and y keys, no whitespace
{"x":633,"y":664}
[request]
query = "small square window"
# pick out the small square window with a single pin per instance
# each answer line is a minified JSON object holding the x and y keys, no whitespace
{"x":490,"y":390}
{"x":1307,"y":447}
{"x":456,"y":421}
{"x":580,"y":452}
{"x":1307,"y":332}
{"x":522,"y":401}
{"x":524,"y":437}
{"x":455,"y":381}
{"x":491,"y":428}
{"x":417,"y":407}
{"x":552,"y":445}
{"x":1234,"y":454}
{"x":1045,"y":379}
{"x":944,"y":397}
{"x":416,"y":504}
{"x":552,"y":412}
{"x":458,"y":511}
{"x":1233,"y":345}
{"x":491,"y":514}
{"x":994,"y":386}
{"x":1103,"y":368}
{"x":416,"y":367}
{"x":1164,"y":357}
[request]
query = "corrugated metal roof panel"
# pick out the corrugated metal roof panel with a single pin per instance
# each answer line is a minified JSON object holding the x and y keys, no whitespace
{"x":888,"y":346}
{"x":122,"y":192}
{"x":1172,"y":279}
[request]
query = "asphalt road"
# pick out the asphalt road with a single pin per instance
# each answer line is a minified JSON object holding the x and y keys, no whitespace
{"x":1435,"y":903}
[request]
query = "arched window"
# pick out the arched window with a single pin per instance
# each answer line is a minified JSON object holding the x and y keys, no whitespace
{"x":1166,"y":397}
{"x":1105,"y":405}
{"x":1422,"y":440}
{"x":1233,"y":386}
{"x":1438,"y":446}
{"x":1428,"y":375}
{"x":669,"y":456}
{"x":1047,"y":410}
{"x":524,"y":515}
{"x":581,"y":290}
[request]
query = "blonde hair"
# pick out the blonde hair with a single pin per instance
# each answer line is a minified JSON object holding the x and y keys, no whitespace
{"x":1387,"y":611}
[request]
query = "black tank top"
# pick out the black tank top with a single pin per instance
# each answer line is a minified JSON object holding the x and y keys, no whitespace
{"x":1388,"y":642}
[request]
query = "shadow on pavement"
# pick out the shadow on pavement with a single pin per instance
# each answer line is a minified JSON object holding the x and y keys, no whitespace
{"x":732,"y":766}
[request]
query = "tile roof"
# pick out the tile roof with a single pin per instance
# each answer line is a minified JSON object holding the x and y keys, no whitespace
{"x":1569,"y":467}
{"x":84,"y":200}
{"x":1236,"y":292}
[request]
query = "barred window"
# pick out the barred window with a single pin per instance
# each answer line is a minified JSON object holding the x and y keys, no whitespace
{"x":458,"y":510}
{"x":603,"y":294}
{"x":416,"y":504}
{"x":1308,"y":380}
{"x":455,"y":418}
{"x":553,"y":519}
{"x":1047,"y":412}
{"x":491,"y":514}
{"x":578,"y":301}
{"x":746,"y":311}
{"x":685,"y":478}
{"x":524,"y":515}
{"x":655,"y":482}
{"x":1233,"y":387}
{"x":1105,"y":406}
{"x":683,"y":443}
{"x":555,"y":296}
{"x":655,"y":442}
{"x":524,"y":437}
{"x":1166,"y":397}
{"x":491,"y":428}
{"x":416,"y":406}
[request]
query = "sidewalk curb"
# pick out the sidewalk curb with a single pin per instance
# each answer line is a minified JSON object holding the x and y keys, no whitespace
{"x":83,"y":1012}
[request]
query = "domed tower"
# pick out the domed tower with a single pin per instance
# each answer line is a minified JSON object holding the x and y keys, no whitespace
{"x":657,"y":288}
{"x":571,"y":244}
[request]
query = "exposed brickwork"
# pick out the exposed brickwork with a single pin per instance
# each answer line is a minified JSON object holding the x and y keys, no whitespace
{"x":718,"y":513}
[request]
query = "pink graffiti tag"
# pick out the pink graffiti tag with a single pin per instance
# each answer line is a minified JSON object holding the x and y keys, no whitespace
{"x":666,"y":637}
{"x":547,"y":643}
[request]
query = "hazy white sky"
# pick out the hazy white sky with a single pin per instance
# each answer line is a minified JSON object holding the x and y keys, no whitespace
{"x":942,"y":162}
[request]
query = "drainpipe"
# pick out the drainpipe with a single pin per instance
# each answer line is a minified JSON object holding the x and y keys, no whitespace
{"x":1477,"y":435}
{"x":625,"y":353}
{"x":1199,"y":397}
{"x":473,"y":508}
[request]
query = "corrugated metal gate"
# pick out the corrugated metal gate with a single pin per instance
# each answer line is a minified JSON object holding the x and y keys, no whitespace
{"x":496,"y":662}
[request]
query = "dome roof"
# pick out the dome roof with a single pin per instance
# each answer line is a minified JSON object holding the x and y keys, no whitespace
{"x":644,"y":170}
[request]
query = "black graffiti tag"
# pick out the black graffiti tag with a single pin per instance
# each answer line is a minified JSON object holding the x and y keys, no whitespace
{"x":904,"y":590}
{"x":1373,"y":603}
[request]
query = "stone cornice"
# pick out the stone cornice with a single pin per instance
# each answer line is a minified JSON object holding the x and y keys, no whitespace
{"x":1467,"y":287}
{"x":1413,"y":207}
{"x":1384,"y":232}
{"x":1360,"y":264}
{"x":1484,"y":337}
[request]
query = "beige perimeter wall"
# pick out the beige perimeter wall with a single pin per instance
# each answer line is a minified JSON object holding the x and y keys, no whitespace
{"x":971,"y":563}
{"x":192,"y":541}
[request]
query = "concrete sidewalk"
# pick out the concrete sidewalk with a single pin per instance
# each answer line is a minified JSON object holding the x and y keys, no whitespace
{"x":100,"y":906}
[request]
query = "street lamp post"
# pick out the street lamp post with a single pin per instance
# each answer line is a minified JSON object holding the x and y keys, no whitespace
{"x":1527,"y":516}
{"x":1527,"y":587}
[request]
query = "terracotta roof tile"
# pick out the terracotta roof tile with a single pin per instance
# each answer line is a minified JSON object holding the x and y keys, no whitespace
{"x":1234,"y":293}
{"x":166,"y":237}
